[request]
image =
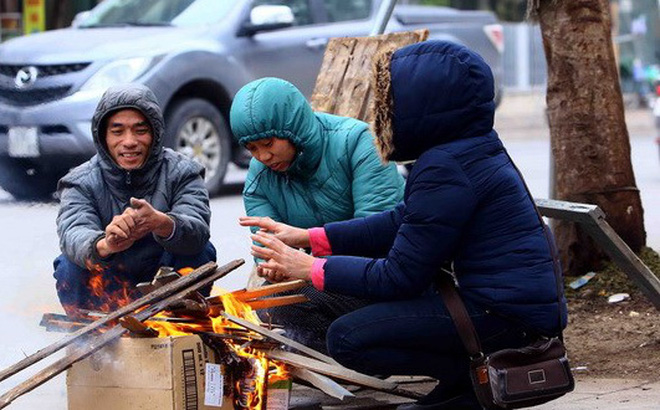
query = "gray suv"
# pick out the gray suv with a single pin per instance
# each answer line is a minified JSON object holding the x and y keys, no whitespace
{"x":194,"y":55}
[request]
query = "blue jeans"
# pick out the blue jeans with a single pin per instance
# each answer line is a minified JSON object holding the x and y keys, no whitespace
{"x":416,"y":337}
{"x":73,"y":282}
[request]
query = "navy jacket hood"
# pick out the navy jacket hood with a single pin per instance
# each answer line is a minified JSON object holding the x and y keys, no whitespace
{"x":428,"y":94}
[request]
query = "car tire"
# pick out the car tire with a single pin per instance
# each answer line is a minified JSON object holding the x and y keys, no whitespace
{"x":27,"y":186}
{"x":195,"y":128}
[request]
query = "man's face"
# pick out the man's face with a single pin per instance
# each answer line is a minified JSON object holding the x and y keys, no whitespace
{"x":128,"y":137}
{"x":275,"y":153}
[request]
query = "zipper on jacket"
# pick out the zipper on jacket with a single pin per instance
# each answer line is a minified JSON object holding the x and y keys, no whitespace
{"x":128,"y":178}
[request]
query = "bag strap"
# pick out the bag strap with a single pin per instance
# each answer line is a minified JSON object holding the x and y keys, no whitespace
{"x":460,"y":316}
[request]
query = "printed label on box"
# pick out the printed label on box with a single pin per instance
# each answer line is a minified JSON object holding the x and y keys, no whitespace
{"x":213,"y":389}
{"x":278,"y":399}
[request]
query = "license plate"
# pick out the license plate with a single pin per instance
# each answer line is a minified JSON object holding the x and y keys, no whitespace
{"x":23,"y":142}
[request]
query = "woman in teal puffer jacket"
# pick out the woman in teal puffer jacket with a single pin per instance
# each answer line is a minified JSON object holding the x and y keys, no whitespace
{"x":308,"y":169}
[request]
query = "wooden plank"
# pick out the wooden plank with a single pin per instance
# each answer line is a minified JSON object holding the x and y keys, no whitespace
{"x":198,"y":279}
{"x":351,"y":100}
{"x":323,"y":383}
{"x":339,"y":372}
{"x":278,"y":337}
{"x":331,"y":75}
{"x":343,"y":84}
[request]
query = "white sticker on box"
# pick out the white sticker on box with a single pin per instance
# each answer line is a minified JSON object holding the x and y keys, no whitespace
{"x":278,"y":399}
{"x":214,"y":385}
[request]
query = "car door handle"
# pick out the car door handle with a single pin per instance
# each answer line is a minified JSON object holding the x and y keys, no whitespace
{"x":316,"y":43}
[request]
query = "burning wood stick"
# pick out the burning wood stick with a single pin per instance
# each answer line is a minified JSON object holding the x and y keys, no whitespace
{"x":275,"y":336}
{"x":339,"y":372}
{"x":248,"y":294}
{"x":136,"y":327}
{"x":160,"y":299}
{"x":277,"y":301}
{"x":159,"y":294}
{"x":258,"y":304}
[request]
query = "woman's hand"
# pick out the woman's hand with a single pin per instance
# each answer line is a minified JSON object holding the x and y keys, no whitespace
{"x":282,"y":262}
{"x":290,"y":235}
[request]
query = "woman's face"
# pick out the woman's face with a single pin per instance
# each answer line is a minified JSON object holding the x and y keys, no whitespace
{"x":275,"y":153}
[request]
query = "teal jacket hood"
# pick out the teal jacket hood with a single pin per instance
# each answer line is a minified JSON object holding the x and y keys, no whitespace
{"x":271,"y":107}
{"x":337,"y":173}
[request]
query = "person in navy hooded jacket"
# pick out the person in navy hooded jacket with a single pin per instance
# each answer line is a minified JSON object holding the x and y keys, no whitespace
{"x":464,"y":203}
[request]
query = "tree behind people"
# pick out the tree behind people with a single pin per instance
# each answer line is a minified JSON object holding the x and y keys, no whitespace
{"x":589,"y":137}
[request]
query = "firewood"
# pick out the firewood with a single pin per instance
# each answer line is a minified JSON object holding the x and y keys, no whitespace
{"x":277,"y":301}
{"x":323,"y":383}
{"x":276,"y":336}
{"x":248,"y":294}
{"x":337,"y":371}
{"x":136,"y":327}
{"x":159,"y":300}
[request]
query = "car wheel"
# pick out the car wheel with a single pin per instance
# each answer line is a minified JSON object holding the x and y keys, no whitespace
{"x":196,"y":129}
{"x":27,"y":185}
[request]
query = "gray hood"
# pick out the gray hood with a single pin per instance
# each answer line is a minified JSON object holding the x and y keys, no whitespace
{"x":141,"y":98}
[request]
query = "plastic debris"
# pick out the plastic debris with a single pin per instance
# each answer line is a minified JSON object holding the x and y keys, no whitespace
{"x":582,"y":280}
{"x":580,"y":369}
{"x":633,"y":314}
{"x":618,"y":297}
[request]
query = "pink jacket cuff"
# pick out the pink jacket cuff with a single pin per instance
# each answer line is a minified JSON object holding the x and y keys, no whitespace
{"x":318,"y":273}
{"x":318,"y":240}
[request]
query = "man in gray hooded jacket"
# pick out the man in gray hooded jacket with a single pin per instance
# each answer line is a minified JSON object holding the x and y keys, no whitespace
{"x":133,"y":207}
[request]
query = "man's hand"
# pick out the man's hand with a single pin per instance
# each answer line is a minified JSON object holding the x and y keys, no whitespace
{"x":282,"y":262}
{"x":133,"y":224}
{"x":118,"y":234}
{"x":290,"y":235}
{"x":150,"y":220}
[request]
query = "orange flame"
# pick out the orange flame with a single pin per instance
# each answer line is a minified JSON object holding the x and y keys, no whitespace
{"x":251,"y":390}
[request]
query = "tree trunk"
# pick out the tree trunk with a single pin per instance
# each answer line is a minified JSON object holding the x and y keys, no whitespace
{"x":589,"y":137}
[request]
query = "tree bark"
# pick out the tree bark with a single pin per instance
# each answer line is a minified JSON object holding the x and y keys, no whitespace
{"x":589,"y":137}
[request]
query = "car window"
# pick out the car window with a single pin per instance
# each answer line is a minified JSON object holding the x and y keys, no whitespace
{"x":300,"y":8}
{"x":342,"y":10}
{"x":117,"y":13}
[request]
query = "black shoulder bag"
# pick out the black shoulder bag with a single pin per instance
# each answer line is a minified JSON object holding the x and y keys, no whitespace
{"x":510,"y":378}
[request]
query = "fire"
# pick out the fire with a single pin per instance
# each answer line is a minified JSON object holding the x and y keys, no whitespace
{"x":251,"y":389}
{"x":106,"y":293}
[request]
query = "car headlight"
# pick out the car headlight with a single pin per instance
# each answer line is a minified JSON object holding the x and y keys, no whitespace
{"x":118,"y":72}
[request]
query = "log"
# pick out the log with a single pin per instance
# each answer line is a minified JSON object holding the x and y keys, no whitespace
{"x":203,"y":276}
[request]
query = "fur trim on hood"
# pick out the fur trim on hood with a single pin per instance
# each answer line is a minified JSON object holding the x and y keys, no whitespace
{"x":382,"y":106}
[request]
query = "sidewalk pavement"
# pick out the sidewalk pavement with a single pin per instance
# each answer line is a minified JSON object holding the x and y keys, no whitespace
{"x":589,"y":394}
{"x":521,"y":115}
{"x":609,"y":394}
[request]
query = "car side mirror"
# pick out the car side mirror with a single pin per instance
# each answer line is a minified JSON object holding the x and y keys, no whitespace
{"x":266,"y":18}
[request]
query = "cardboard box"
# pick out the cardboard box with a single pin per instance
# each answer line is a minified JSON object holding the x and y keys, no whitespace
{"x":174,"y":373}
